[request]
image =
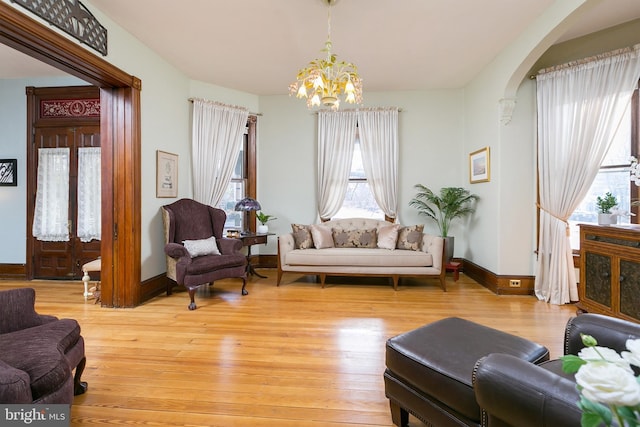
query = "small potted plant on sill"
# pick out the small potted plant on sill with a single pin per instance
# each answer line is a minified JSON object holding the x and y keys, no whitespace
{"x":605,"y":206}
{"x":263,"y":219}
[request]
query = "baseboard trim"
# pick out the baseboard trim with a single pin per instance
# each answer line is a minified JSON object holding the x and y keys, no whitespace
{"x":153,"y":287}
{"x":13,"y":271}
{"x":498,"y":284}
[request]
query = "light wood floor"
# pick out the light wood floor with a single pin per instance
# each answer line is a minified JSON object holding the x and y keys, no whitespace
{"x":294,"y":355}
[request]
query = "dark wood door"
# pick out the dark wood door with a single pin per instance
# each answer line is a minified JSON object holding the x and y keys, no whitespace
{"x":64,"y":260}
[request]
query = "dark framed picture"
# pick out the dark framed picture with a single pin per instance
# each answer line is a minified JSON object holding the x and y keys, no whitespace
{"x":9,"y":172}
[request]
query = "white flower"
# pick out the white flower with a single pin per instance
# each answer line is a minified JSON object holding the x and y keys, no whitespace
{"x":604,"y":354}
{"x":608,"y":383}
{"x":633,"y":355}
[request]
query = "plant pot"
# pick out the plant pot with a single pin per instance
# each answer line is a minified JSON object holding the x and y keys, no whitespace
{"x":448,"y":249}
{"x":263,"y":229}
{"x":607,"y":219}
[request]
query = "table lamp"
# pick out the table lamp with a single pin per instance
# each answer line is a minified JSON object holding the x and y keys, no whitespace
{"x":247,"y":205}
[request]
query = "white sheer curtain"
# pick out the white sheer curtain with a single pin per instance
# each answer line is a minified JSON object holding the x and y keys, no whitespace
{"x":51,"y":217}
{"x":336,"y":137}
{"x":217,"y":139}
{"x":89,"y":225}
{"x":580,"y":106}
{"x":379,"y":142}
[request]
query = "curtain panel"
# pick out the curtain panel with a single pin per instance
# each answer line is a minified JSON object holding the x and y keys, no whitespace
{"x":580,"y":107}
{"x":51,"y":216}
{"x":378,"y":130}
{"x":89,"y":225}
{"x":217,"y":135}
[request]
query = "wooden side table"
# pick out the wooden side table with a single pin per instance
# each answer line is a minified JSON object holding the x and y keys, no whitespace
{"x":455,"y":267}
{"x":250,"y":239}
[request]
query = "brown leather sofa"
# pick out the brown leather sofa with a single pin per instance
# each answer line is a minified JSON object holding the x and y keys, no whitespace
{"x":513,"y":392}
{"x":38,"y":353}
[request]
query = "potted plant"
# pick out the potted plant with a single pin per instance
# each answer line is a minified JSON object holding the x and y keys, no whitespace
{"x":605,"y":205}
{"x":263,"y":219}
{"x":451,"y":203}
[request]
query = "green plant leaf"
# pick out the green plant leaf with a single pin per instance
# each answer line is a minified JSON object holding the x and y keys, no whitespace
{"x":593,"y":413}
{"x":571,"y":363}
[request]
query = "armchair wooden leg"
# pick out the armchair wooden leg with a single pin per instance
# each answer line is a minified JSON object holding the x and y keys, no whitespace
{"x":192,"y":295}
{"x":79,"y":387}
{"x":244,"y":283}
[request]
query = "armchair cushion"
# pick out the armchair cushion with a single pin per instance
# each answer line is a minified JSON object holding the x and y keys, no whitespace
{"x":201,"y":247}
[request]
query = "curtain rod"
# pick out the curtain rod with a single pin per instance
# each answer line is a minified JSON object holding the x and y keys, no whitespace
{"x":400,"y":110}
{"x":250,"y":113}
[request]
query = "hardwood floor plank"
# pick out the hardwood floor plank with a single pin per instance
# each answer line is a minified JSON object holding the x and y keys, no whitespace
{"x":287,"y":355}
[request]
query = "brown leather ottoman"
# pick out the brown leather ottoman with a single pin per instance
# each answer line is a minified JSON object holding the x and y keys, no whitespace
{"x":429,"y":370}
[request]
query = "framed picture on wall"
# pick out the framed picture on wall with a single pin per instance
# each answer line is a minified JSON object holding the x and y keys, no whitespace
{"x":9,"y":172}
{"x":480,"y":166}
{"x":167,"y":174}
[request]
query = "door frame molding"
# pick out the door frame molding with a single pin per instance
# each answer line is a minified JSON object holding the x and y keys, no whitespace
{"x":120,"y":139}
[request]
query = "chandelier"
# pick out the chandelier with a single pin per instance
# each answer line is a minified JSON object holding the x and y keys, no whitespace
{"x":324,"y":81}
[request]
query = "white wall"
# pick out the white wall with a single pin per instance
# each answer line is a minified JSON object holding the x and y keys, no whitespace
{"x":13,"y":145}
{"x":431,"y":153}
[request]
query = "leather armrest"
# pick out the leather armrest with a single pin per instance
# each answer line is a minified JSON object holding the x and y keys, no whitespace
{"x":515,"y":392}
{"x":608,"y":331}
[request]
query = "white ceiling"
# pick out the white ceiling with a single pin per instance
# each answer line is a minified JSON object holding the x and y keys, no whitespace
{"x":257,"y":46}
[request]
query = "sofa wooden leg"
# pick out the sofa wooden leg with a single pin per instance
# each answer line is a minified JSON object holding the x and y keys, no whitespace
{"x":396,"y":279}
{"x":79,"y":387}
{"x":323,"y":277}
{"x":279,"y":277}
{"x":399,"y":416}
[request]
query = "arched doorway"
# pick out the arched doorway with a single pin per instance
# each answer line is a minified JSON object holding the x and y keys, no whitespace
{"x":120,"y":136}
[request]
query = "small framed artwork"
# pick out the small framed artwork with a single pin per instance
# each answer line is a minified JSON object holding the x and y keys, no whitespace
{"x":480,"y":166}
{"x":167,"y":174}
{"x":9,"y":172}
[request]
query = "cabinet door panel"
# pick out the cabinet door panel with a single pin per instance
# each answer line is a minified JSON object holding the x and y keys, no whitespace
{"x":598,"y":278}
{"x":630,"y":288}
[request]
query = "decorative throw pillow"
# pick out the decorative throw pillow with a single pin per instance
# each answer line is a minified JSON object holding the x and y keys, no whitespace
{"x":202,"y":247}
{"x":322,"y":236}
{"x":355,"y":238}
{"x":410,"y":238}
{"x":388,"y":236}
{"x":302,"y":236}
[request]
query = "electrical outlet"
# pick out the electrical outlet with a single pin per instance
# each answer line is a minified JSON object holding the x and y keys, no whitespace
{"x":514,"y":283}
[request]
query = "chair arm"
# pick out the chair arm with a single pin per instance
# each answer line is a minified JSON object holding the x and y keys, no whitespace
{"x":229,"y":246}
{"x":176,"y":250}
{"x":434,"y":245}
{"x":514,"y":392}
{"x":15,"y":385}
{"x":17,"y":310}
{"x":286,"y":243}
{"x":608,"y":331}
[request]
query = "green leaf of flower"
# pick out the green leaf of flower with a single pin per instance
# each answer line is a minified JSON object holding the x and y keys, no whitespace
{"x":571,"y":363}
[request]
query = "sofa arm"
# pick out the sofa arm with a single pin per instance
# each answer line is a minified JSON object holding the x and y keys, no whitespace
{"x":514,"y":392}
{"x":229,"y":246}
{"x":15,"y":385}
{"x":17,"y":310}
{"x":608,"y":331}
{"x":286,"y":244}
{"x":434,"y":245}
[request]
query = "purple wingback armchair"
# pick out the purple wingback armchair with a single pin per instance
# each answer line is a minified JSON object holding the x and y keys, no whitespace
{"x":189,"y":220}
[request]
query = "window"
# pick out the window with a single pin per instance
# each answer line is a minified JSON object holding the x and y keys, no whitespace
{"x":613,"y":177}
{"x":359,"y":201}
{"x":243,"y":181}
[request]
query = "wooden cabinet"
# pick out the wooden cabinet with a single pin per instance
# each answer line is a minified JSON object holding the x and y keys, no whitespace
{"x":610,"y":270}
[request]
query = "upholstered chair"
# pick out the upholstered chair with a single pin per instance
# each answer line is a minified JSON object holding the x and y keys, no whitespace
{"x":197,"y":253}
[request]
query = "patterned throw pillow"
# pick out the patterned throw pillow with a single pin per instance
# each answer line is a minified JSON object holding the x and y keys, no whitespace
{"x":201,"y":247}
{"x":388,"y":236}
{"x":355,"y":238}
{"x":410,"y":238}
{"x":322,"y":236}
{"x":302,"y":236}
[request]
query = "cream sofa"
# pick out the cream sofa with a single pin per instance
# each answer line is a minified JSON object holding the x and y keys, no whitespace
{"x":426,"y":260}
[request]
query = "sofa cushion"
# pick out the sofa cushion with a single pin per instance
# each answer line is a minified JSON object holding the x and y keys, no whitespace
{"x":201,"y":247}
{"x":39,"y":357}
{"x":388,"y":236}
{"x":361,"y":257}
{"x":302,"y":236}
{"x":410,"y":238}
{"x":359,"y":238}
{"x":322,"y":236}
